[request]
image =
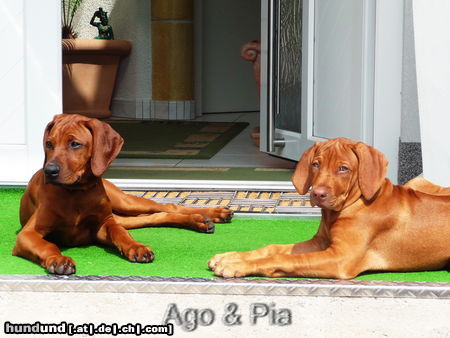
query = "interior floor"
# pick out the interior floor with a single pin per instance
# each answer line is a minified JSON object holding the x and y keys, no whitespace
{"x":239,"y":152}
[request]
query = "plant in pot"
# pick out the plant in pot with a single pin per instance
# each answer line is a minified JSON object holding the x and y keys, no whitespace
{"x":89,"y":65}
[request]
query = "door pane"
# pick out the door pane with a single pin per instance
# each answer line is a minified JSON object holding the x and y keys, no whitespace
{"x":289,"y":44}
{"x":338,"y":68}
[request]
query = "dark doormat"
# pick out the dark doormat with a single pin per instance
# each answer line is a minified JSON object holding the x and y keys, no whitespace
{"x":175,"y":139}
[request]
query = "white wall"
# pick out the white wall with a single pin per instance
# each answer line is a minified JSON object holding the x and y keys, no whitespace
{"x":432,"y":42}
{"x":12,"y":69}
{"x":30,"y":83}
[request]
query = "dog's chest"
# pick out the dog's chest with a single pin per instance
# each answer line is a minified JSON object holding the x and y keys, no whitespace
{"x":80,"y":230}
{"x":79,"y":222}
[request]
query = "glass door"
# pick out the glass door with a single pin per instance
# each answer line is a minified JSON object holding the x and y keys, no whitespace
{"x":282,"y":83}
{"x":317,"y":73}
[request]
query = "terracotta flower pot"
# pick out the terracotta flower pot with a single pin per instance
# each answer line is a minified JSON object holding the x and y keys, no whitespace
{"x":89,"y":74}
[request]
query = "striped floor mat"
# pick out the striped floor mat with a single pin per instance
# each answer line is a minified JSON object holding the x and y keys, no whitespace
{"x":261,"y":202}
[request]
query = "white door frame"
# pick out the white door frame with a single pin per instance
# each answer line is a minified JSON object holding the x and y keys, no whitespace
{"x":38,"y":25}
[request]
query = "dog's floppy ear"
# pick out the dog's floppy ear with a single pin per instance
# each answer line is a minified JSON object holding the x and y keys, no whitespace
{"x":46,"y":132}
{"x":371,"y":169}
{"x":302,"y":175}
{"x":106,"y":145}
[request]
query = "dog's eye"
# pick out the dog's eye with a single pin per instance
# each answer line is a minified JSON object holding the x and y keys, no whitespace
{"x":316,"y":164}
{"x":49,"y":145}
{"x":74,"y":145}
{"x":343,"y":168}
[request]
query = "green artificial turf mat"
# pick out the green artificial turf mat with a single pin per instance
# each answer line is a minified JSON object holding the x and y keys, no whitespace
{"x":174,"y":139}
{"x":179,"y":252}
{"x":240,"y":174}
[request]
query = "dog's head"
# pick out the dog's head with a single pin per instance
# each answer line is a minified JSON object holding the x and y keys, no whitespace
{"x":78,"y":148}
{"x":340,"y":171}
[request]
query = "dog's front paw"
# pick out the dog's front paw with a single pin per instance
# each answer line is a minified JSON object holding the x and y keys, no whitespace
{"x":60,"y":265}
{"x":139,"y":253}
{"x":202,"y":223}
{"x":221,"y":214}
{"x":223,"y":257}
{"x":231,"y":269}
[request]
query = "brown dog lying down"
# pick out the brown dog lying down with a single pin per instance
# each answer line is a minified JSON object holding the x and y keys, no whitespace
{"x":68,"y":203}
{"x":368,"y":224}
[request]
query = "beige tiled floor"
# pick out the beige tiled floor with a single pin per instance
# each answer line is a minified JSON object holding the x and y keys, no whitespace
{"x":240,"y":152}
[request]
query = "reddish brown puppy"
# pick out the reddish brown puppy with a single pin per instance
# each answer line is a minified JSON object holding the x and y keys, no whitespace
{"x":368,"y":224}
{"x":68,"y":203}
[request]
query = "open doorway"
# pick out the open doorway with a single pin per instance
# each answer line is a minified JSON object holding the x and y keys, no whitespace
{"x":226,"y":91}
{"x":226,"y":87}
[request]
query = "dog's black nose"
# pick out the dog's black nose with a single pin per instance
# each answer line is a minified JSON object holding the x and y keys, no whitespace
{"x":52,"y":170}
